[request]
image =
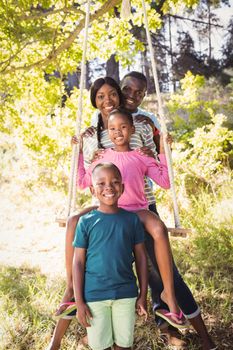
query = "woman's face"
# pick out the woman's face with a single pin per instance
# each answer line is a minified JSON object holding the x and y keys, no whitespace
{"x":107,"y":100}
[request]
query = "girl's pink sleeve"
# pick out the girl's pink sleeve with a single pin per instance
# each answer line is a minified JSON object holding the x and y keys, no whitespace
{"x":158,"y":171}
{"x":83,"y":176}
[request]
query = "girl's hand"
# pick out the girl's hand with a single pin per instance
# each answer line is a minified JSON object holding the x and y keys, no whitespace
{"x":97,"y":155}
{"x":75,"y":141}
{"x":83,"y":314}
{"x":140,"y":118}
{"x":146,"y":151}
{"x":141,"y":307}
{"x":168,"y":140}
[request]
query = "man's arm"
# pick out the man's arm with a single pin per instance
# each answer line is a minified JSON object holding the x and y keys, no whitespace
{"x":83,"y":313}
{"x":142,"y":274}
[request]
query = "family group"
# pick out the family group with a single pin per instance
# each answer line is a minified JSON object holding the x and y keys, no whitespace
{"x":120,"y":155}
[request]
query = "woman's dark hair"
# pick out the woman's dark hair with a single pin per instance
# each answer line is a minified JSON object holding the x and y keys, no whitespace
{"x":122,"y":111}
{"x":98,"y":83}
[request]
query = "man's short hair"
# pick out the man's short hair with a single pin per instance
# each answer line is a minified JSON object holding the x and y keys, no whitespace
{"x":136,"y":75}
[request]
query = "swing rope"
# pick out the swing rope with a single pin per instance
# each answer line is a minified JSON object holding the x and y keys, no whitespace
{"x":75,"y":149}
{"x":178,"y":230}
{"x":125,"y":11}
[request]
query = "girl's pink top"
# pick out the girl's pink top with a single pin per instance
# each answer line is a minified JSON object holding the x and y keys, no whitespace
{"x":133,"y":167}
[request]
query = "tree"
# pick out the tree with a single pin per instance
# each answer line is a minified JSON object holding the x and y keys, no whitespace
{"x":227,"y":48}
{"x":42,"y":44}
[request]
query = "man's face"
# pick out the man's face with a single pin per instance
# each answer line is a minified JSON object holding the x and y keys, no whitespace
{"x":134,"y":91}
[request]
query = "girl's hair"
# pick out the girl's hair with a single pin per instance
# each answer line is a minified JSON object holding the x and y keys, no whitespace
{"x":98,"y":83}
{"x":122,"y":111}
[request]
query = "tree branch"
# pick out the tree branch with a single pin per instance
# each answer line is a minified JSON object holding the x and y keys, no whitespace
{"x":195,"y":20}
{"x":50,"y":12}
{"x":67,"y":42}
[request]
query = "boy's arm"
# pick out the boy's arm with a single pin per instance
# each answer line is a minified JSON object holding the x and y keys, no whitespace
{"x":79,"y":262}
{"x":142,"y":274}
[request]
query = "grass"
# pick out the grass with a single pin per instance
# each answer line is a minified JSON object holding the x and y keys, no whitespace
{"x":28,"y":298}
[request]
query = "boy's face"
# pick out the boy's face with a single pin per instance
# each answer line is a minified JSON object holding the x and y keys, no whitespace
{"x":107,"y":186}
{"x":134,"y":91}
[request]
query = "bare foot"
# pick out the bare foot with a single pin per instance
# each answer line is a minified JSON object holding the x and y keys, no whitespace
{"x":209,"y":345}
{"x":173,"y":338}
{"x":84,"y":340}
{"x":82,"y":343}
{"x":52,"y":346}
{"x":68,"y":296}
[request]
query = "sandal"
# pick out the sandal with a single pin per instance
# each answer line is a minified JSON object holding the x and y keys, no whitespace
{"x":68,"y":313}
{"x":167,"y":316}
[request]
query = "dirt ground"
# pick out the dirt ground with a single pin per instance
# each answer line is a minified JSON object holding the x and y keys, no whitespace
{"x":28,"y":232}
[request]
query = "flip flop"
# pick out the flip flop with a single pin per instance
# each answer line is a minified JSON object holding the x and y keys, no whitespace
{"x":71,"y":306}
{"x":167,"y":316}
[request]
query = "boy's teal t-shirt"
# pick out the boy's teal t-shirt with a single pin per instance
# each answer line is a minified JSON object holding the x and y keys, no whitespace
{"x":109,"y":240}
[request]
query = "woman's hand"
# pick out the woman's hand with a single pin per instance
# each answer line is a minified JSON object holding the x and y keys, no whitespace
{"x":146,"y":151}
{"x":89,"y":131}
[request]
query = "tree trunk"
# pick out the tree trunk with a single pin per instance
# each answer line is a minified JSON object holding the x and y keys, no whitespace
{"x":112,"y":69}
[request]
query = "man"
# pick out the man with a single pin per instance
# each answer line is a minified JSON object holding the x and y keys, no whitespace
{"x":134,"y":86}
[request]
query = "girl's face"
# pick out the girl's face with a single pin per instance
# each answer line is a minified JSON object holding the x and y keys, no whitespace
{"x":120,"y":129}
{"x":107,"y":100}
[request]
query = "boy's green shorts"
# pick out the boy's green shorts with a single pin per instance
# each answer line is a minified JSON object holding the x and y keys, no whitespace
{"x":113,"y":323}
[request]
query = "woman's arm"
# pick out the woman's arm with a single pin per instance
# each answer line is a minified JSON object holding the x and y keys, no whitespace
{"x":142,"y":274}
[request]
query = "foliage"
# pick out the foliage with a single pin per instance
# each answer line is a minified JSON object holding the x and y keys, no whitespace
{"x":209,"y":153}
{"x":196,"y":102}
{"x":46,"y":134}
{"x":39,"y":39}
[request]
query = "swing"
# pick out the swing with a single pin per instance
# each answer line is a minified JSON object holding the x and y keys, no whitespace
{"x":177,"y":231}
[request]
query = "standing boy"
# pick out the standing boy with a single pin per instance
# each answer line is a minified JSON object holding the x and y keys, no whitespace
{"x":107,"y":241}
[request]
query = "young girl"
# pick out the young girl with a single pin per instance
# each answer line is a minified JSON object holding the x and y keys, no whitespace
{"x":133,"y":167}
